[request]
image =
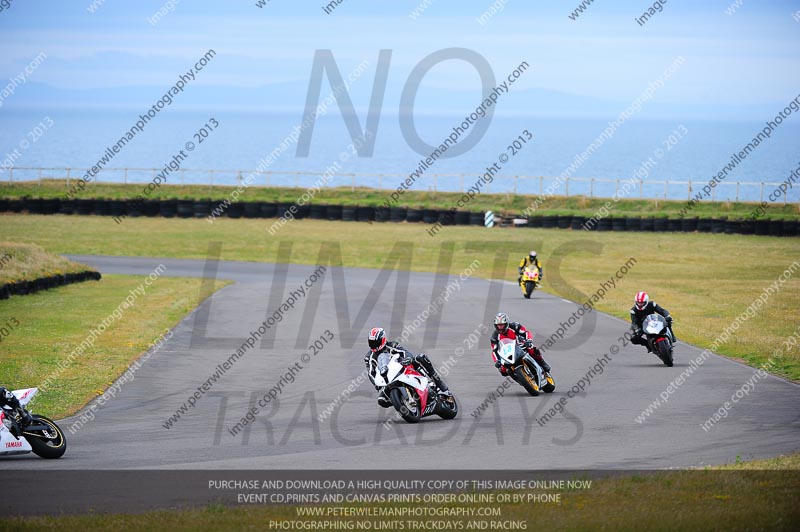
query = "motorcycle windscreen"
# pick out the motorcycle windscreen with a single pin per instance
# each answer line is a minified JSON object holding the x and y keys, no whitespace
{"x":507,"y":350}
{"x":654,"y":324}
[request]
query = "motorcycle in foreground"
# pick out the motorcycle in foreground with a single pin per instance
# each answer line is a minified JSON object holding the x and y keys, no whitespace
{"x":524,"y":369}
{"x":412,"y":393}
{"x":42,"y":436}
{"x":528,"y":281}
{"x":658,"y":337}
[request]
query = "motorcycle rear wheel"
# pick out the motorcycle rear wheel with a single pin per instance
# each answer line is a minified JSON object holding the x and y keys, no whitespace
{"x":43,"y":446}
{"x":523,"y":377}
{"x":448,"y":409}
{"x":409,"y":415}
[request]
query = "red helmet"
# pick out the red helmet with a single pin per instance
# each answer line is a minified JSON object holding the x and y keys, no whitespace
{"x":377,"y":339}
{"x":641,"y":300}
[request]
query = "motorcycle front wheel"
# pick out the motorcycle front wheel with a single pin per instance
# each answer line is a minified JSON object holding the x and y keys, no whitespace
{"x":405,"y":404}
{"x":529,"y":286}
{"x":448,"y":409}
{"x":47,"y":443}
{"x":664,"y":352}
{"x":523,"y":376}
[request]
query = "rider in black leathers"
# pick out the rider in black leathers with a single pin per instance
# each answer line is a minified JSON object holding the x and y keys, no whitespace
{"x":643,"y":307}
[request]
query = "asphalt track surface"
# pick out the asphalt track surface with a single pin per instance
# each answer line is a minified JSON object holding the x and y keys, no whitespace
{"x":597,"y":430}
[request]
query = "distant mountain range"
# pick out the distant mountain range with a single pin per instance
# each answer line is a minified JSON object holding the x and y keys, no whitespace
{"x":290,"y":97}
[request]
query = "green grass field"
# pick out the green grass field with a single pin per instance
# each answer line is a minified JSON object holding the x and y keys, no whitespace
{"x":510,"y":203}
{"x":26,"y":262}
{"x":705,"y":280}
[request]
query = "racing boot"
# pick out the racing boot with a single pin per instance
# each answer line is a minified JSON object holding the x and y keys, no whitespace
{"x":383,"y":401}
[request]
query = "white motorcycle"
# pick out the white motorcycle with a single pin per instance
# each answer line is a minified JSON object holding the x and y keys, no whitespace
{"x":42,"y":437}
{"x":411,"y":392}
{"x":523,"y":368}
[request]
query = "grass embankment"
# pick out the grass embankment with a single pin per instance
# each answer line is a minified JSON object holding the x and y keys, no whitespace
{"x":705,"y":280}
{"x":510,"y":203}
{"x":674,"y":500}
{"x":47,"y":326}
{"x":26,"y":262}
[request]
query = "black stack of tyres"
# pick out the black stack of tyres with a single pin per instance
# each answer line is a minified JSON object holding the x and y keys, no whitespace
{"x":151,"y":207}
{"x":430,"y":216}
{"x":365,"y":214}
{"x":447,"y":217}
{"x":704,"y":225}
{"x":5,"y":205}
{"x":334,"y":212}
{"x":790,"y":227}
{"x":477,"y":218}
{"x":201,"y":208}
{"x":617,"y":224}
{"x":689,"y":225}
{"x":168,"y":208}
{"x":348,"y":213}
{"x":414,"y":215}
{"x":317,"y":211}
{"x":578,"y":223}
{"x":185,"y":208}
{"x":762,"y":227}
{"x":674,"y":225}
{"x":534,"y":221}
{"x":748,"y":227}
{"x":134,"y":207}
{"x":118,"y":208}
{"x":34,"y":205}
{"x":398,"y":214}
{"x":648,"y":224}
{"x":604,"y":224}
{"x":717,"y":225}
{"x":660,"y":225}
{"x":84,"y":207}
{"x":382,"y":213}
{"x":633,"y":224}
{"x":284,"y":210}
{"x":66,"y":206}
{"x":17,"y":205}
{"x":251,"y":209}
{"x":235,"y":210}
{"x":302,"y":211}
{"x":462,"y":218}
{"x":549,"y":222}
{"x":733,"y":227}
{"x":101,"y":207}
{"x":270,"y":210}
{"x":776,"y":227}
{"x":564,"y":221}
{"x":50,"y":206}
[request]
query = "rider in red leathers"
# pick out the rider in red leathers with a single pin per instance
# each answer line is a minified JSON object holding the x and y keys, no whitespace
{"x":503,"y":328}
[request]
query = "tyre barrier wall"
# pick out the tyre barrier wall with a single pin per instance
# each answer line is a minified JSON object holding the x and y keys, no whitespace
{"x":21,"y":288}
{"x":350,"y":213}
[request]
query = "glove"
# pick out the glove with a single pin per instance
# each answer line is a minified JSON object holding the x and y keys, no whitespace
{"x":406,"y":361}
{"x":497,"y":365}
{"x":527,"y":344}
{"x":669,"y":320}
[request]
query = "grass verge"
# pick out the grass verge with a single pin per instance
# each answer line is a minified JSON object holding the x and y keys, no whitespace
{"x":512,"y":203}
{"x":705,"y":280}
{"x":26,"y":262}
{"x":49,"y":325}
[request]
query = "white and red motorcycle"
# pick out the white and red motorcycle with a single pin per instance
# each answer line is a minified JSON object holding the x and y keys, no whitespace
{"x":412,"y":393}
{"x":42,"y":436}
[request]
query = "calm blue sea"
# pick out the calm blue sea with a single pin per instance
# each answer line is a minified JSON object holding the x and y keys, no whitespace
{"x":696,"y":151}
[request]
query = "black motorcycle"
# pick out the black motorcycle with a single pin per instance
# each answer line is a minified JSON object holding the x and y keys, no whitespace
{"x":659,"y":337}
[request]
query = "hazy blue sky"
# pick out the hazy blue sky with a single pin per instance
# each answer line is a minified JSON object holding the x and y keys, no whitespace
{"x":748,"y":58}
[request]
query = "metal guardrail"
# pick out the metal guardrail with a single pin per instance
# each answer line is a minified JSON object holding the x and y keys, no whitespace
{"x":442,"y":182}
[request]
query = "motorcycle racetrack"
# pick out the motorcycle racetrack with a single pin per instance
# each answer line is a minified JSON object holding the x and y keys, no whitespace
{"x":615,"y":406}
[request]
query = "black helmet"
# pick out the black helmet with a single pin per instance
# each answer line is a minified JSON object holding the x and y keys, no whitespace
{"x":501,"y":322}
{"x":377,"y":339}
